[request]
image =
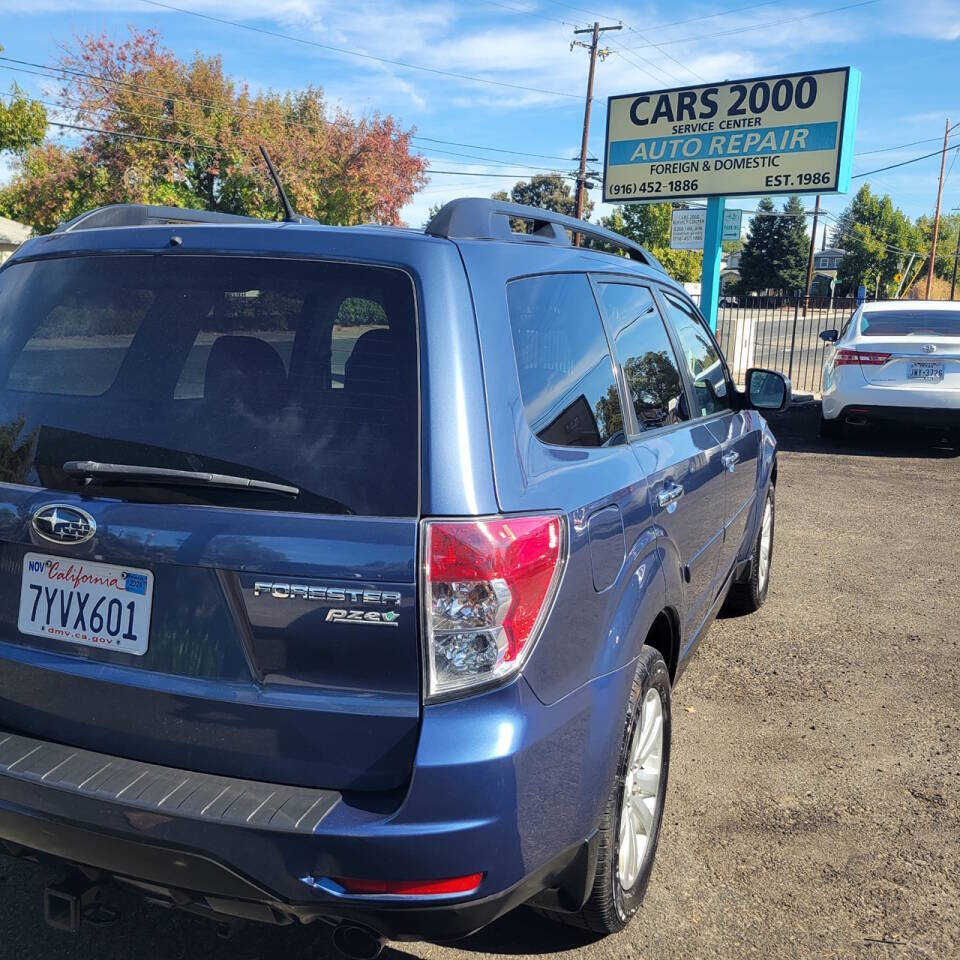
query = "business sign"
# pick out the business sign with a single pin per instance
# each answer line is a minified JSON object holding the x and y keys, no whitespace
{"x":785,"y":134}
{"x":687,"y":228}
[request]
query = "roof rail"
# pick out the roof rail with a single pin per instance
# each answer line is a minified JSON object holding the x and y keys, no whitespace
{"x":145,"y":215}
{"x":477,"y":218}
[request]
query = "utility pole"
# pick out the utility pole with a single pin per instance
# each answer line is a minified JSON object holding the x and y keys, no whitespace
{"x":813,"y":246}
{"x":956,"y":257}
{"x":595,"y":51}
{"x":936,"y":216}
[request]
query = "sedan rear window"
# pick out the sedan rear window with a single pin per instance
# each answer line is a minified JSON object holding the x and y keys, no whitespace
{"x":910,"y":323}
{"x":292,"y":372}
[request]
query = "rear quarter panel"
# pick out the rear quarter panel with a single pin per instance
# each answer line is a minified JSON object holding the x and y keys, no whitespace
{"x":590,"y":632}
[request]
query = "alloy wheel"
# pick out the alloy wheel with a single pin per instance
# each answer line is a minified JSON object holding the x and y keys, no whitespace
{"x":638,"y":814}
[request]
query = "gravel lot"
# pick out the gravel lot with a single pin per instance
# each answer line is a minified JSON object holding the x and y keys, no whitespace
{"x":814,"y":804}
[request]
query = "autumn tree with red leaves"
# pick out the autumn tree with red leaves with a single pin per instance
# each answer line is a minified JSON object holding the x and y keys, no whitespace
{"x":186,"y":134}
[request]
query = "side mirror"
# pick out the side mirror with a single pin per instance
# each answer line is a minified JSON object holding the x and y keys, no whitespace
{"x":830,"y":336}
{"x":767,"y":390}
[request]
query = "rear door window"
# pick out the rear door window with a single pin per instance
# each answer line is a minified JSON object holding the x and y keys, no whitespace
{"x":298,"y":372}
{"x":643,"y":349}
{"x":569,"y":393}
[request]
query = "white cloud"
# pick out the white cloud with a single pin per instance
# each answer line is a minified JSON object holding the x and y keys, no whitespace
{"x":929,"y":19}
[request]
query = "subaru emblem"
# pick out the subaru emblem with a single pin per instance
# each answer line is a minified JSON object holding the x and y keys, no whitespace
{"x":61,"y":523}
{"x":929,"y":347}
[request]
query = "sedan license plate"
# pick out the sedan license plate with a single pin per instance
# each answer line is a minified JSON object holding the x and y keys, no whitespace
{"x":926,"y":371}
{"x":93,"y":604}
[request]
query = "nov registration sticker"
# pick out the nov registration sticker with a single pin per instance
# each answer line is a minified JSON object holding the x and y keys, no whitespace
{"x":92,"y":604}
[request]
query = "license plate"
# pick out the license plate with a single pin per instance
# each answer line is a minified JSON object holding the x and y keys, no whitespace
{"x":926,"y":371}
{"x":93,"y":604}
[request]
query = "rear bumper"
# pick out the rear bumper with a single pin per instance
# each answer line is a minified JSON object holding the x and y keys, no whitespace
{"x":848,"y":388}
{"x":503,"y":785}
{"x":934,"y":417}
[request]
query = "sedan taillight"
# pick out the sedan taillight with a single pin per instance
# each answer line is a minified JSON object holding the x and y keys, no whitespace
{"x":488,"y":586}
{"x":865,"y":358}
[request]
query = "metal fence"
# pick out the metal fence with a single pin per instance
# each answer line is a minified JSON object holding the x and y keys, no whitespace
{"x":780,"y":333}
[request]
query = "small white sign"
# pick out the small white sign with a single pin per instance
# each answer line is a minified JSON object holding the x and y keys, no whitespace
{"x":687,"y":228}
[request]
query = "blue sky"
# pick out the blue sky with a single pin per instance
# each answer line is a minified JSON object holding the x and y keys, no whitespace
{"x":908,"y":51}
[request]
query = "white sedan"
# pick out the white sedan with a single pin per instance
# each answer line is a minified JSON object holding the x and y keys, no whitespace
{"x":894,"y":361}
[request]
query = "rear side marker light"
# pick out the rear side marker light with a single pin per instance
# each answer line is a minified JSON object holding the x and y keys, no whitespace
{"x":865,"y":358}
{"x":488,"y":586}
{"x":411,"y":888}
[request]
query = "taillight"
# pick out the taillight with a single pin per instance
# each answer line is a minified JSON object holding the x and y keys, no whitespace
{"x":488,"y":586}
{"x":866,"y":358}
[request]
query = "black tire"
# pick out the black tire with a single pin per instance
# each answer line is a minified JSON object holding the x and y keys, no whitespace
{"x":610,"y":907}
{"x":831,"y":429}
{"x":751,"y":594}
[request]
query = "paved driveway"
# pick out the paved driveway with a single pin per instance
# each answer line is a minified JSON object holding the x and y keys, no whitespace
{"x":814,"y":805}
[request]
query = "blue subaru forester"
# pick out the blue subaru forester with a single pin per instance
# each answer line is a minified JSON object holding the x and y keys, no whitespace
{"x":345,"y":573}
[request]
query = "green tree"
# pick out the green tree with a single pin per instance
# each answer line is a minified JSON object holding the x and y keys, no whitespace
{"x":23,"y":122}
{"x":197,"y":145}
{"x":645,"y":223}
{"x":549,"y":191}
{"x":946,"y":242}
{"x":793,"y":247}
{"x":435,"y":208}
{"x":876,"y":236}
{"x":758,"y":269}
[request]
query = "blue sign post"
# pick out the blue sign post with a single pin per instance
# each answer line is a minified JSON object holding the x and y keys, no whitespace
{"x":712,"y":255}
{"x":786,"y":134}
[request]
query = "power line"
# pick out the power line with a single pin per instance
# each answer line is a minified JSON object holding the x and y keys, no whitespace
{"x":474,"y":146}
{"x":356,"y":53}
{"x":623,"y":56}
{"x":166,"y":97}
{"x":659,"y":46}
{"x":884,"y":240}
{"x":893,"y":166}
{"x":667,"y":54}
{"x":188,"y":143}
{"x":528,"y":13}
{"x":477,"y":173}
{"x":758,"y":26}
{"x":952,"y":162}
{"x":128,"y":136}
{"x":710,"y":16}
{"x":589,"y":13}
{"x":900,"y":146}
{"x":522,"y":170}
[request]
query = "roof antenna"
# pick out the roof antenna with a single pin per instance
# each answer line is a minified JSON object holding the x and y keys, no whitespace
{"x":289,"y":214}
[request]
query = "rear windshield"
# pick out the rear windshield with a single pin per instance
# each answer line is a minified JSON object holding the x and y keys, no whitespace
{"x":302,"y":373}
{"x":907,"y":323}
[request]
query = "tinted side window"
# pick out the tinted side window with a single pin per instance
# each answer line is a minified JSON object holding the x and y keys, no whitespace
{"x":701,"y":358}
{"x":566,"y":379}
{"x":644,"y":350}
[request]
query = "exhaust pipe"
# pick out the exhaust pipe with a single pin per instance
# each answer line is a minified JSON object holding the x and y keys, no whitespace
{"x":356,"y":942}
{"x":856,"y":419}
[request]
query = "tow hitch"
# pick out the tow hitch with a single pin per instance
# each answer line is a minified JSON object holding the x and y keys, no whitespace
{"x":75,"y":900}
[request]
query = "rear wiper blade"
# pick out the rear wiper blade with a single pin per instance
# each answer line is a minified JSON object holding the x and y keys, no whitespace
{"x":131,"y":473}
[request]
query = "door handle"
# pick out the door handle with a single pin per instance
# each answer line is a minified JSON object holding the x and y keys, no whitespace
{"x":730,"y":460}
{"x":671,"y":493}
